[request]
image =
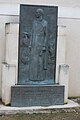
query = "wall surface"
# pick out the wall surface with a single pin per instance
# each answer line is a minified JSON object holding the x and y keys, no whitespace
{"x":65,"y":3}
{"x":69,"y":16}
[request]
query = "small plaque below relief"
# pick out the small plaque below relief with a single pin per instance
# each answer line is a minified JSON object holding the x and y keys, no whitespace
{"x":23,"y":95}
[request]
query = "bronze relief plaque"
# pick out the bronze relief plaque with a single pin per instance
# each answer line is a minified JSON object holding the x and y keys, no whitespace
{"x":37,"y":45}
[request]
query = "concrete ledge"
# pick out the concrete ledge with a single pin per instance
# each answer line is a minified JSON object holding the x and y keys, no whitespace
{"x":70,"y":107}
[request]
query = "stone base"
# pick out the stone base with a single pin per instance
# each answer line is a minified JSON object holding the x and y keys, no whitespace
{"x":44,"y":95}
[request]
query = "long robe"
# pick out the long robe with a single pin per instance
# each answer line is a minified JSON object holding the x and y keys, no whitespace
{"x":38,"y":63}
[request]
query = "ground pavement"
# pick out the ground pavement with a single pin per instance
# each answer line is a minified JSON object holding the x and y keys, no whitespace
{"x":70,"y":111}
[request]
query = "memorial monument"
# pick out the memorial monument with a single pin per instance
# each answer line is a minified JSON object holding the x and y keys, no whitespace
{"x":37,"y":58}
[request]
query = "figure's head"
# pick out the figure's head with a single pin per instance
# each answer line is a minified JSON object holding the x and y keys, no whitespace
{"x":25,"y":40}
{"x":39,"y":13}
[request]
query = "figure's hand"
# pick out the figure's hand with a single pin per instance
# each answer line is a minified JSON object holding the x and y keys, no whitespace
{"x":44,"y":48}
{"x":30,"y":47}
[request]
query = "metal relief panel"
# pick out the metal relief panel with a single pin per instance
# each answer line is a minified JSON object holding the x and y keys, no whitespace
{"x":37,"y":44}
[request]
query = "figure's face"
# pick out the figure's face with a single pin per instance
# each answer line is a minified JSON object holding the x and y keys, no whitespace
{"x":25,"y":40}
{"x":38,"y":14}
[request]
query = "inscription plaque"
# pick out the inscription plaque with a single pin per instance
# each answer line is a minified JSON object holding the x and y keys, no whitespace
{"x":23,"y":95}
{"x":37,"y":44}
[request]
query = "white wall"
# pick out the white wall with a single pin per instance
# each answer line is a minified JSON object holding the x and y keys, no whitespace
{"x":69,"y":17}
{"x":65,"y":3}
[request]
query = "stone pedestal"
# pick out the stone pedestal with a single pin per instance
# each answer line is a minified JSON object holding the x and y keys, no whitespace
{"x":37,"y":95}
{"x":11,"y":36}
{"x":61,"y":49}
{"x":64,"y":78}
{"x":9,"y":66}
{"x":8,"y":79}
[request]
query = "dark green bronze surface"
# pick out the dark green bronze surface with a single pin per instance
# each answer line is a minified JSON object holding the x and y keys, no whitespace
{"x":23,"y":95}
{"x":37,"y":45}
